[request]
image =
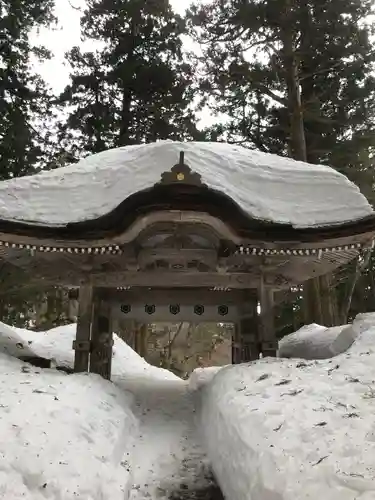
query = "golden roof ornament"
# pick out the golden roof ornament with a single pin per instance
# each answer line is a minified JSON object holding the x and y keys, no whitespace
{"x":181,"y":173}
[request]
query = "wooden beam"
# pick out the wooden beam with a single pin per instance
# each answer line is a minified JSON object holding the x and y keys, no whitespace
{"x":51,"y":268}
{"x":155,"y":279}
{"x":82,"y":342}
{"x":179,"y":218}
{"x":168,"y":279}
{"x":101,"y":339}
{"x":178,"y":256}
{"x":149,"y":312}
{"x":165,"y":296}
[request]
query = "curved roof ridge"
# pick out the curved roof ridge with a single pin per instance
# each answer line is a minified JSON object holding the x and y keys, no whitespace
{"x":265,"y":186}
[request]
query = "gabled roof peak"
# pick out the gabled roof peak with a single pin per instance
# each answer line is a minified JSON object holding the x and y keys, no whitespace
{"x":181,"y":173}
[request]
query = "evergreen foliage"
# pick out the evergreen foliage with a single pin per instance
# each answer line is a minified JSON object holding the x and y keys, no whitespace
{"x":24,"y":100}
{"x":245,"y":65}
{"x":136,"y":86}
{"x":136,"y":83}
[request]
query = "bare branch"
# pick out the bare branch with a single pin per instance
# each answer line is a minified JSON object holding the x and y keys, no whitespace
{"x":265,"y":90}
{"x":320,"y":71}
{"x":79,"y":9}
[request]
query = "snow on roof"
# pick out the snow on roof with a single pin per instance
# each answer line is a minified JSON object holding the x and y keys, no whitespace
{"x":265,"y":186}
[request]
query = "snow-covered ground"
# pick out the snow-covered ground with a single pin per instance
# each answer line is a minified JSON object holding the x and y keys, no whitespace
{"x":80,"y":437}
{"x":56,"y":344}
{"x":275,"y":429}
{"x":317,"y":342}
{"x":281,"y":429}
{"x":62,"y":437}
{"x":169,"y":461}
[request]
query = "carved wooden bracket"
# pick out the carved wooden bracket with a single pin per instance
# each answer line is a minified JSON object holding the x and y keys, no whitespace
{"x":181,"y":174}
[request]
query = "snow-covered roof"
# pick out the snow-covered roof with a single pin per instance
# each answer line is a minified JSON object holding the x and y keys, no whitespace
{"x":264,"y":186}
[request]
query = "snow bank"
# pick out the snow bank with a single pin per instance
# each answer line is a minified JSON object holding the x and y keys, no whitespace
{"x":202,"y":376}
{"x":63,"y":436}
{"x":261,"y":184}
{"x":56,"y":344}
{"x":14,"y":342}
{"x":290,"y":429}
{"x":317,"y":342}
{"x":309,"y":342}
{"x":79,"y":436}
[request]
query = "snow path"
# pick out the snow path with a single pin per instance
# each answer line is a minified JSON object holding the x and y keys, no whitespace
{"x":138,"y":434}
{"x":167,"y":456}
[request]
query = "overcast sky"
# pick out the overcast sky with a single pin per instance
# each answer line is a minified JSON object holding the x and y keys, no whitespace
{"x":67,"y":34}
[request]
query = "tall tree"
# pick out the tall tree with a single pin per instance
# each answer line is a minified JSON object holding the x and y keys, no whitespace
{"x":255,"y":51}
{"x":294,"y":78}
{"x":24,"y":102}
{"x":137,"y":86}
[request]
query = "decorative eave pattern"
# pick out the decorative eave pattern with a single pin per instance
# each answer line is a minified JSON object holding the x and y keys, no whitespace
{"x":301,"y":251}
{"x":111,"y":249}
{"x":238,"y":250}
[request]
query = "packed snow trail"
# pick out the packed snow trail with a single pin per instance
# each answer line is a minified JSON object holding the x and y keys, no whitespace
{"x":168,"y":461}
{"x":138,"y":434}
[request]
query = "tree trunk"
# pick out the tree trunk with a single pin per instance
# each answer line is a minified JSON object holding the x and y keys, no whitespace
{"x":127,"y":93}
{"x":353,"y":277}
{"x":291,"y":72}
{"x":314,"y":289}
{"x":99,"y":143}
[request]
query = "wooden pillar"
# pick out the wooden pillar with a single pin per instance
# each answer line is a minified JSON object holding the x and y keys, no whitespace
{"x":329,"y":309}
{"x":236,"y":345}
{"x":248,"y":329}
{"x":137,"y":337}
{"x":82,"y":343}
{"x":312,"y":305}
{"x":269,"y":343}
{"x":143,"y":340}
{"x":101,"y":338}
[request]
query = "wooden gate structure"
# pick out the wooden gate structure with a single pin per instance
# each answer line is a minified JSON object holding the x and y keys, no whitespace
{"x":176,"y":231}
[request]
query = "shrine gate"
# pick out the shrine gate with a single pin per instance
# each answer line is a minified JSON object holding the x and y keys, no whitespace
{"x":175,"y":231}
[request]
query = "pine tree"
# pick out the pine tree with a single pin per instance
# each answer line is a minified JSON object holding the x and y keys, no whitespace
{"x":137,"y":86}
{"x":24,"y":102}
{"x":246,"y":75}
{"x":295,"y":78}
